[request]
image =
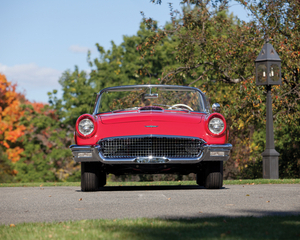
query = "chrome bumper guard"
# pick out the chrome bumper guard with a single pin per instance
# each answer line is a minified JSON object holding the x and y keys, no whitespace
{"x":93,"y":154}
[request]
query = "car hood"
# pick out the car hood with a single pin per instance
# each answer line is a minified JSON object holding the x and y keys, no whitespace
{"x":151,"y":123}
{"x":151,"y":116}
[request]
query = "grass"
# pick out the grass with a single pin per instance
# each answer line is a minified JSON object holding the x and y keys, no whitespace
{"x":272,"y":227}
{"x":160,"y":183}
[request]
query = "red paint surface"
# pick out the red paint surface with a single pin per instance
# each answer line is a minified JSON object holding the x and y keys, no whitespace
{"x":171,"y":123}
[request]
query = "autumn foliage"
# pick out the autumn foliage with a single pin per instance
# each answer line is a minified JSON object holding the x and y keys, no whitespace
{"x":10,"y":113}
{"x":203,"y":46}
{"x":33,"y":144}
{"x":216,"y":51}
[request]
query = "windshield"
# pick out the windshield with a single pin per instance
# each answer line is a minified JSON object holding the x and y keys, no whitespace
{"x":137,"y":98}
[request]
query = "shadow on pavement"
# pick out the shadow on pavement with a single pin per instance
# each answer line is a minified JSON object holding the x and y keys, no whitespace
{"x":252,"y":228}
{"x":154,"y":188}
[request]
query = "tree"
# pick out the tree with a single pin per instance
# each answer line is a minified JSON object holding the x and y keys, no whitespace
{"x":122,"y":65}
{"x":218,"y":51}
{"x":46,"y":156}
{"x":202,"y":46}
{"x":33,"y":145}
{"x":10,"y":114}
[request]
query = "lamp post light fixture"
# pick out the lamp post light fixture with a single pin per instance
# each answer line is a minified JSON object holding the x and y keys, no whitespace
{"x":268,"y":73}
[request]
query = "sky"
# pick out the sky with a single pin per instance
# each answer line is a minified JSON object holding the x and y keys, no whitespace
{"x":39,"y":40}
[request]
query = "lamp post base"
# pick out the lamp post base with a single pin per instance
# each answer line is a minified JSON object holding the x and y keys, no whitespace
{"x":270,"y":164}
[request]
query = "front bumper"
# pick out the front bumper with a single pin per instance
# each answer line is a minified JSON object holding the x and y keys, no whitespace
{"x":92,"y":153}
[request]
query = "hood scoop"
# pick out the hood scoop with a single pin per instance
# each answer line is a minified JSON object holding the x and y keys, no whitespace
{"x":151,"y":108}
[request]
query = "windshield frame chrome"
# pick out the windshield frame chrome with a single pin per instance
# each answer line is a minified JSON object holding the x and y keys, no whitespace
{"x":205,"y":103}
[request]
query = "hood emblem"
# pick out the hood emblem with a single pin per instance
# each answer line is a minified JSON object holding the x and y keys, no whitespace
{"x":151,"y":126}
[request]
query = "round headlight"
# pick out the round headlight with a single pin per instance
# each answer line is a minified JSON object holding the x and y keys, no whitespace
{"x":86,"y":126}
{"x":216,"y":125}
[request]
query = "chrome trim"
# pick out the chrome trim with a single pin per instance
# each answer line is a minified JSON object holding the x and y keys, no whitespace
{"x":216,"y":107}
{"x":86,"y":154}
{"x":151,"y":159}
{"x":205,"y":155}
{"x":133,"y":160}
{"x":205,"y":104}
{"x":169,"y":87}
{"x":224,"y":146}
{"x":122,"y":138}
{"x":78,"y":147}
{"x":215,"y":153}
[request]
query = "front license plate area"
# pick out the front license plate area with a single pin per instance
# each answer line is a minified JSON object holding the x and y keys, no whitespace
{"x":151,"y":160}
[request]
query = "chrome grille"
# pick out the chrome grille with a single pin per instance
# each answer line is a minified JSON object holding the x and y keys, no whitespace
{"x":169,"y":147}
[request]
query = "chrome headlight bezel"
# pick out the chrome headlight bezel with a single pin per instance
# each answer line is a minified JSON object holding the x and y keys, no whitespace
{"x":86,"y":126}
{"x":216,"y":125}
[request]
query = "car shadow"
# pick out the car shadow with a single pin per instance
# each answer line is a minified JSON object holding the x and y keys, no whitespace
{"x":209,"y":228}
{"x":153,"y":188}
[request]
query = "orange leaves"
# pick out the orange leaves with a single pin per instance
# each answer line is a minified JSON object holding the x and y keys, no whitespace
{"x":4,"y":144}
{"x":38,"y":107}
{"x":14,"y":153}
{"x":11,"y":112}
{"x":7,"y":92}
{"x":13,"y":135}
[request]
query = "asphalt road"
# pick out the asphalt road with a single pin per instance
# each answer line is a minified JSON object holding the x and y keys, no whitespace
{"x":47,"y":204}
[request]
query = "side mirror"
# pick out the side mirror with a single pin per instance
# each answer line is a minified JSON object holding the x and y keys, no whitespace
{"x":216,"y":107}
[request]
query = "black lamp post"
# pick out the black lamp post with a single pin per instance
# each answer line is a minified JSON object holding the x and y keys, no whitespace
{"x":268,"y":73}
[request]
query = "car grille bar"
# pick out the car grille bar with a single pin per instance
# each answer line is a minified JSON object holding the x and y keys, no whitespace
{"x":155,"y":146}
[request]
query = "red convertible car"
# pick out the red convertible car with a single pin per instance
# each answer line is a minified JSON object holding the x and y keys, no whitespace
{"x":144,"y":129}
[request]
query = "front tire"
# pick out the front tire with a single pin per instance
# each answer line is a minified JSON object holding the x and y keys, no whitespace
{"x":214,"y":175}
{"x":91,"y":176}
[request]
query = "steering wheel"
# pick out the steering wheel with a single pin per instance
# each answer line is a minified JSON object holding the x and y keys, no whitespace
{"x":181,"y":105}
